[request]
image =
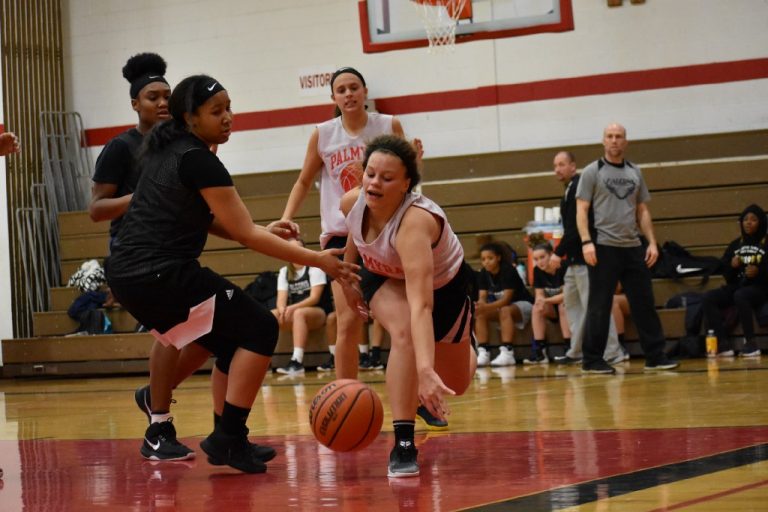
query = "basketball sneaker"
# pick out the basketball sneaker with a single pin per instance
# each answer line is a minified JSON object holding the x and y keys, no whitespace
{"x":506,"y":357}
{"x":567,"y":360}
{"x":661,"y":364}
{"x":233,"y":451}
{"x":160,"y":443}
{"x":483,"y":357}
{"x":402,"y":460}
{"x":600,"y":367}
{"x":539,"y":356}
{"x":327,"y":366}
{"x":292,"y":368}
{"x":375,"y":363}
{"x":431,"y":422}
{"x":364,"y":363}
{"x":263,"y":453}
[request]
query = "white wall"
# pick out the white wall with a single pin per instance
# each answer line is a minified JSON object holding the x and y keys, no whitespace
{"x":257,"y":47}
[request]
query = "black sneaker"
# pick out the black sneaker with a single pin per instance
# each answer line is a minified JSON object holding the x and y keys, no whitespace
{"x":327,"y":366}
{"x":292,"y":368}
{"x":432,"y":423}
{"x":234,"y":451}
{"x":364,"y":362}
{"x":144,"y":401}
{"x":599,"y":366}
{"x":263,"y":453}
{"x":661,"y":364}
{"x":402,"y":460}
{"x":375,"y":363}
{"x":566,"y":360}
{"x":160,"y":443}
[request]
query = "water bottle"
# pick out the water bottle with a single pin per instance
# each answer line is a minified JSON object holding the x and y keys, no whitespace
{"x":711,"y":343}
{"x":523,"y":272}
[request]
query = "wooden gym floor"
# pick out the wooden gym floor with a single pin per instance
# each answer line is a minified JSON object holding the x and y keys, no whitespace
{"x":522,"y":438}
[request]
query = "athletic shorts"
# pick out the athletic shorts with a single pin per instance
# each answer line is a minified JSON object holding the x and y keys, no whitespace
{"x":526,"y":308}
{"x":453,"y":310}
{"x":177,"y":304}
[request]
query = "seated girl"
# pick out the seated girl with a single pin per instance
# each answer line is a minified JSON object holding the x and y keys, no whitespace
{"x":302,"y":306}
{"x":548,"y":305}
{"x":503,"y":297}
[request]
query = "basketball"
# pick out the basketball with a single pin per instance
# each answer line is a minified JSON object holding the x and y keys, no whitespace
{"x":346,"y":415}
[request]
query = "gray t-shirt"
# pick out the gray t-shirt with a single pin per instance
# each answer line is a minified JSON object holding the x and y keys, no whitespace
{"x":614,"y":191}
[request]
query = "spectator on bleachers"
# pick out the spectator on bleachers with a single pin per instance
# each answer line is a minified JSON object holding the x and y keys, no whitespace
{"x":330,"y":339}
{"x":504,"y":297}
{"x":302,"y":306}
{"x":615,"y":190}
{"x":548,"y":305}
{"x":576,"y":279}
{"x":746,"y":283}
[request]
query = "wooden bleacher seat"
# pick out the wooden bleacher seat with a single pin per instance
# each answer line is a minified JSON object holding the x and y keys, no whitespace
{"x":694,"y":203}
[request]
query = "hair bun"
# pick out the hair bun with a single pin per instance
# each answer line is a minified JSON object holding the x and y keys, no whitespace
{"x":143,"y":64}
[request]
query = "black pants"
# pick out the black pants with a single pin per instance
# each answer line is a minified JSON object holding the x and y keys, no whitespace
{"x":747,"y":299}
{"x":625,"y":264}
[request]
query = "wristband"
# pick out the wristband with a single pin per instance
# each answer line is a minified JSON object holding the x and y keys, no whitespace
{"x":585,"y":242}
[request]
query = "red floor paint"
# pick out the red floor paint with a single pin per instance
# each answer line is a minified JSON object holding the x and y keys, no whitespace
{"x":457,"y":470}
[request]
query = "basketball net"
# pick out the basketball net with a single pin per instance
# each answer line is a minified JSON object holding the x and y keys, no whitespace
{"x":440,"y":18}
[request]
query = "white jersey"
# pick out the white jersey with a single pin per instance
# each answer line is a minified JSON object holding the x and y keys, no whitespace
{"x":380,"y":256}
{"x":339,"y":150}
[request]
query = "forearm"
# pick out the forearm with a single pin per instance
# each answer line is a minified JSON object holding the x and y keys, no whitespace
{"x":582,"y":221}
{"x":260,"y":240}
{"x":217,"y":229}
{"x":109,"y":208}
{"x":423,"y":336}
{"x":646,"y":225}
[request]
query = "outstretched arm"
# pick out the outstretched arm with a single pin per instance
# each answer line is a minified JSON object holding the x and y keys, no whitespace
{"x":418,"y":231}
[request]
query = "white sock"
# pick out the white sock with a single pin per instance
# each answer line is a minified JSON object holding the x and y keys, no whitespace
{"x":159,"y":418}
{"x":363,"y":349}
{"x":298,"y":354}
{"x":332,"y":349}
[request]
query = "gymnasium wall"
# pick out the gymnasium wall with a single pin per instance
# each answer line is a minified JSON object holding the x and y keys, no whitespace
{"x":666,"y":68}
{"x":6,"y":312}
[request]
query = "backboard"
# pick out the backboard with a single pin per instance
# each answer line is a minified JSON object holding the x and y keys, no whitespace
{"x":387,"y":25}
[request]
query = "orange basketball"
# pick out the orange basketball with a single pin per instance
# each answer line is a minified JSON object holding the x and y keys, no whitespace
{"x":346,"y":415}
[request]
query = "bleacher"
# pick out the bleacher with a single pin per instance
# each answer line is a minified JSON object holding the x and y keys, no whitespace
{"x":699,"y":186}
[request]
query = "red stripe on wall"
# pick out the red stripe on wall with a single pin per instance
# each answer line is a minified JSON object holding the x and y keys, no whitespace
{"x":610,"y":83}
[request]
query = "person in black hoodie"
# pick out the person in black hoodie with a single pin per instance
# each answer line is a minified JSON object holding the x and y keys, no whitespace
{"x":746,"y":278}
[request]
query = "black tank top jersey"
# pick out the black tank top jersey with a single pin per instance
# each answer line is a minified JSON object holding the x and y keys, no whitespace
{"x":116,"y":165}
{"x":299,"y":288}
{"x":168,"y":219}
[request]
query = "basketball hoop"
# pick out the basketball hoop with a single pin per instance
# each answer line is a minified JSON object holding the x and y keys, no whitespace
{"x":440,"y":18}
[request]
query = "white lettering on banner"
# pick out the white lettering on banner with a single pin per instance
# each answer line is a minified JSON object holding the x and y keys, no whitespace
{"x":315,"y":81}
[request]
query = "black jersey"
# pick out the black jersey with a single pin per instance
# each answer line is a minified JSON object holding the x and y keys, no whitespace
{"x":506,"y":279}
{"x":168,"y":219}
{"x":116,"y":165}
{"x":552,"y":284}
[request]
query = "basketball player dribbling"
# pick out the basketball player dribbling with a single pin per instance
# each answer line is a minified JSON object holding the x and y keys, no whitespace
{"x":186,"y":192}
{"x":416,"y":283}
{"x":335,"y":150}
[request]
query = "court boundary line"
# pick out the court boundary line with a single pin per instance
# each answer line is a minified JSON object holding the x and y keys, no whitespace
{"x":625,"y":483}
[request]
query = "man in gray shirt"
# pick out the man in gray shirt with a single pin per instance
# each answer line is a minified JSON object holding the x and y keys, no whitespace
{"x":615,"y":190}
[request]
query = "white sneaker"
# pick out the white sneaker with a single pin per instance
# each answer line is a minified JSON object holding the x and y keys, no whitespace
{"x":506,"y":357}
{"x":725,"y":353}
{"x":754,"y":353}
{"x":483,"y":356}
